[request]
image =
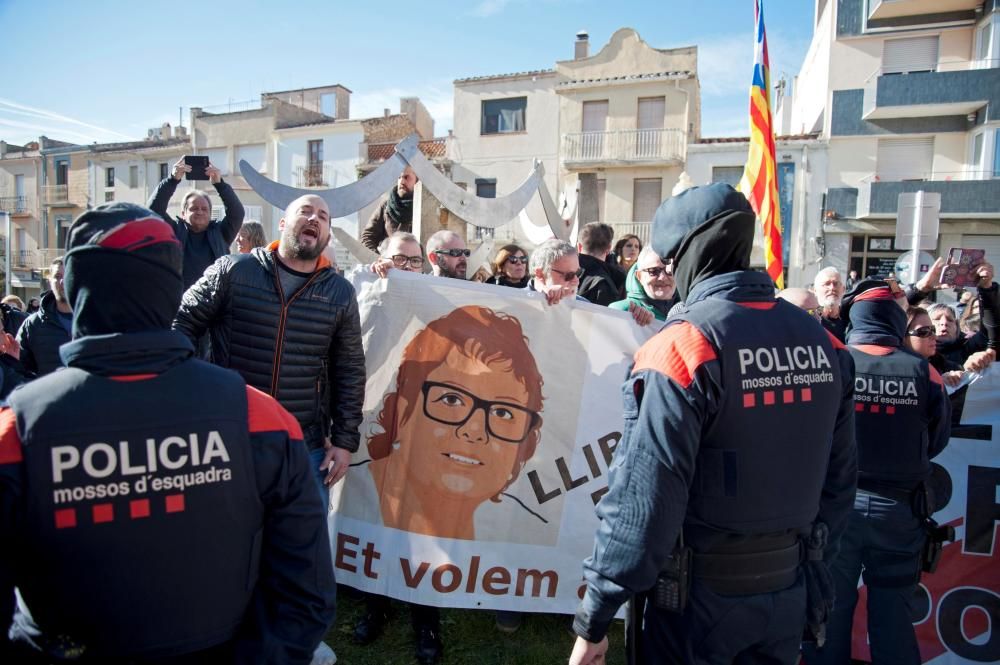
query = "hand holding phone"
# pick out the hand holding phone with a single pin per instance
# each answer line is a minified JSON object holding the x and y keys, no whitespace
{"x":199,"y":165}
{"x":961,"y":271}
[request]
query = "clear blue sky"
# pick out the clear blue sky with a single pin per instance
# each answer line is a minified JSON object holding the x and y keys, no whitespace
{"x":107,"y":70}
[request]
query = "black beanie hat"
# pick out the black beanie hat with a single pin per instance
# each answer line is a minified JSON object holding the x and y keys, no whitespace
{"x":123,"y":271}
{"x":706,"y":231}
{"x":873,"y":314}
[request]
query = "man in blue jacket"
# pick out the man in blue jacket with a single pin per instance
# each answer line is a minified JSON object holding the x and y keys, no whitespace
{"x":140,"y":521}
{"x":202,"y":238}
{"x":738,"y":448}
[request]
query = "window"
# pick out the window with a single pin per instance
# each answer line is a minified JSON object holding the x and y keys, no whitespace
{"x":728,"y":174}
{"x":109,"y":196}
{"x":874,"y":256}
{"x":647,"y":194}
{"x":978,"y":168}
{"x":164,"y":170}
{"x":314,"y":171}
{"x":62,"y":172}
{"x":904,"y":159}
{"x":62,"y":229}
{"x":133,"y":176}
{"x":487,"y":189}
{"x":984,"y":44}
{"x":218,"y":157}
{"x":595,"y":123}
{"x":913,"y":54}
{"x":109,"y":176}
{"x":328,"y":104}
{"x":649,"y":122}
{"x":503,"y":116}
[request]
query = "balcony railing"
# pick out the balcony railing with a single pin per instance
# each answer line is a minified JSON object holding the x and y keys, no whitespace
{"x":624,"y":146}
{"x":315,"y":175}
{"x":55,"y":194}
{"x":962,"y":192}
{"x":33,"y":259}
{"x":953,"y":88}
{"x":887,"y":9}
{"x":18,"y":205}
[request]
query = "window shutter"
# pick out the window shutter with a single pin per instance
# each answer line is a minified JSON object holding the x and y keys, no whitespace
{"x":595,"y":116}
{"x":651,"y":112}
{"x":647,"y":193}
{"x":905,"y":159}
{"x":913,"y":54}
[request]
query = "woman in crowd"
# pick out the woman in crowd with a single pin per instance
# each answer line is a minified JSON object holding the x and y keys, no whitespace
{"x":650,"y":285}
{"x":510,"y":267}
{"x":921,"y":340}
{"x":251,"y":235}
{"x":627,"y":250}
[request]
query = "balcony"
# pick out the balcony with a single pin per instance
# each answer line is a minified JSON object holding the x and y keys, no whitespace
{"x":27,"y":260}
{"x":18,"y":206}
{"x":315,"y":175}
{"x":966,"y":194}
{"x":884,"y":9}
{"x":55,"y":195}
{"x":624,"y":147}
{"x":947,"y":92}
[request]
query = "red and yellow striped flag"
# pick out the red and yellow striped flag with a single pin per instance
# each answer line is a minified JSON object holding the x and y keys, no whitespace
{"x":760,"y":182}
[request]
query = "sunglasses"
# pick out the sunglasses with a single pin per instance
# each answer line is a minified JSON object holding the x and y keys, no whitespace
{"x":454,"y":253}
{"x":568,"y":275}
{"x":656,"y":271}
{"x":517,"y":259}
{"x":922,"y":332}
{"x":400,"y":260}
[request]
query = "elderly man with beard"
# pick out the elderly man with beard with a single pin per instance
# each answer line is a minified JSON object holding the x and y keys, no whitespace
{"x":394,"y":214}
{"x":711,"y":488}
{"x":829,"y":289}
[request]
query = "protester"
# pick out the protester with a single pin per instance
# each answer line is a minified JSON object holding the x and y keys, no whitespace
{"x":805,"y":300}
{"x":395,"y":213}
{"x":510,"y":267}
{"x":251,"y":235}
{"x":12,"y":311}
{"x":650,"y":285}
{"x":921,"y":340}
{"x":602,"y":283}
{"x":400,"y":251}
{"x":898,"y":432}
{"x":33,"y":306}
{"x":627,"y":250}
{"x":852,"y":279}
{"x":288,"y":323}
{"x":829,"y":289}
{"x":448,"y":255}
{"x":42,"y":333}
{"x":204,"y":239}
{"x":720,"y":464}
{"x":235,"y":569}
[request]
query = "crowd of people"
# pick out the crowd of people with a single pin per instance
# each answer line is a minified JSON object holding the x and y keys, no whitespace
{"x":729,"y":534}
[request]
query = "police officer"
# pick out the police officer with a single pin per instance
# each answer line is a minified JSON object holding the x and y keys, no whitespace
{"x":903,"y":421}
{"x":739,"y":436}
{"x":141,"y":521}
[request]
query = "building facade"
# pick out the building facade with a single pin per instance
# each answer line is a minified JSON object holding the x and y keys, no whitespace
{"x":907,"y":95}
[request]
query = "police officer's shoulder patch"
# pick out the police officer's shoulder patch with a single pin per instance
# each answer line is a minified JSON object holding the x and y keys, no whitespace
{"x":678,"y":351}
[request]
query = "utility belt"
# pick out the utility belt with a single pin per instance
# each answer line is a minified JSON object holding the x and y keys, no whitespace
{"x":742,"y":571}
{"x":920,"y":499}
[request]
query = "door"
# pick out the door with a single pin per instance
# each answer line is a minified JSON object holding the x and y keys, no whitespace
{"x":19,"y":203}
{"x":650,"y":127}
{"x":595,"y":124}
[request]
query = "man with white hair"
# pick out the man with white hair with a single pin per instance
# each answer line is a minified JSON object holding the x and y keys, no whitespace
{"x":804,"y":299}
{"x":829,"y":289}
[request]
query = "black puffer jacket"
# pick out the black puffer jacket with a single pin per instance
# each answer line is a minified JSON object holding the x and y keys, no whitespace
{"x":305,"y":352}
{"x":40,"y":337}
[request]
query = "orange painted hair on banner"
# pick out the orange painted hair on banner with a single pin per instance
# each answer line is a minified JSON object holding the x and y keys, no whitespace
{"x":494,"y":339}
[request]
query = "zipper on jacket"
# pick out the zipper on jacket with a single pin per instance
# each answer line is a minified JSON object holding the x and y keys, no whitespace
{"x":279,"y":342}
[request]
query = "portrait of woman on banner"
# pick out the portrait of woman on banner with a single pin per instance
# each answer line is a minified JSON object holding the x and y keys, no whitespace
{"x":464,"y":418}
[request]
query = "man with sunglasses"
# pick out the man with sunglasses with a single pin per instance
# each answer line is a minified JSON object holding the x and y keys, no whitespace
{"x":555,"y":271}
{"x":805,"y":300}
{"x":448,"y":255}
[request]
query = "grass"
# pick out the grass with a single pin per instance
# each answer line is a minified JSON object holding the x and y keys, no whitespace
{"x":469,"y":637}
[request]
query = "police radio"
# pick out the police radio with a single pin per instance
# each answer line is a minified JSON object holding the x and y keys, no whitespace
{"x":674,"y":583}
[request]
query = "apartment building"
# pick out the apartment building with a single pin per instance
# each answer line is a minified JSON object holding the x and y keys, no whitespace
{"x":907,"y":95}
{"x":129,"y":171}
{"x":611,"y":130}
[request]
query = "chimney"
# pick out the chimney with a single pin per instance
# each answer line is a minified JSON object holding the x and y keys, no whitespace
{"x":582,"y":45}
{"x":385,"y":113}
{"x":165,"y":131}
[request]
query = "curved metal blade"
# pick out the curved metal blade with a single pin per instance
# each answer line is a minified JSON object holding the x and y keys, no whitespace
{"x":486,"y":213}
{"x":342,"y":201}
{"x":360,"y":253}
{"x":552,"y":216}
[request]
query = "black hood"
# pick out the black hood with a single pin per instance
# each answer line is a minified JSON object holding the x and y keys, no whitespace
{"x":874,"y":315}
{"x":123,"y":271}
{"x":707,"y":231}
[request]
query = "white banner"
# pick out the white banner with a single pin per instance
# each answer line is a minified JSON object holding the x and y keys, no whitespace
{"x":490,"y":421}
